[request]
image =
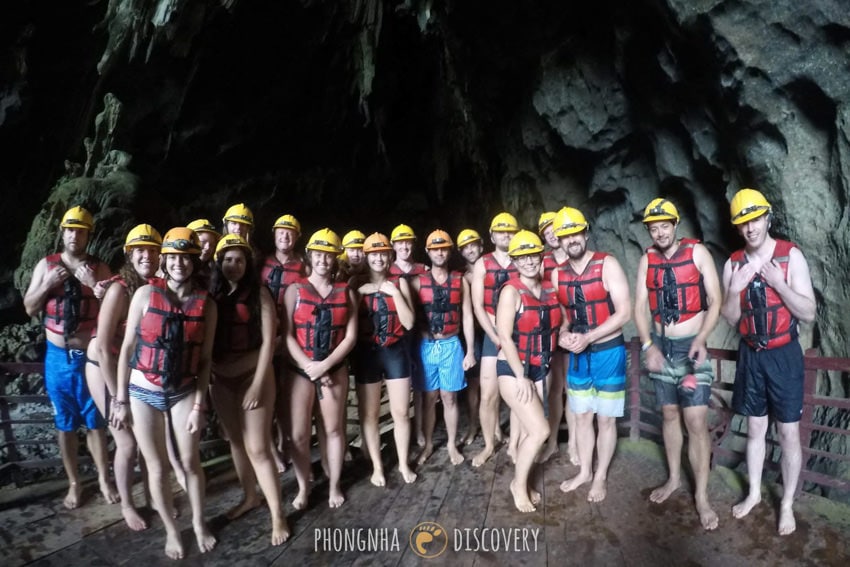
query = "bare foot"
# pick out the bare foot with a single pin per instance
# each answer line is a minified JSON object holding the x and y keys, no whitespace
{"x":279,"y":462}
{"x":664,"y":491}
{"x":280,"y":531}
{"x":378,"y":478}
{"x":572,"y":452}
{"x":707,"y":516}
{"x":300,"y":500}
{"x":454,"y":455}
{"x":246,"y":505}
{"x":72,"y":499}
{"x":173,"y":546}
{"x":206,"y":541}
{"x":534,"y":496}
{"x":409,"y":475}
{"x":521,"y":499}
{"x":132,"y":519}
{"x":549,"y":450}
{"x":335,"y":498}
{"x":470,"y":436}
{"x":110,"y":493}
{"x":743,"y":508}
{"x":426,"y":452}
{"x":598,"y":490}
{"x":575,"y":482}
{"x":787,"y":523}
{"x":482,"y":457}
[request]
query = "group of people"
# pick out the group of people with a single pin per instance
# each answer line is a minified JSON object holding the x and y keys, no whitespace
{"x":198,"y":316}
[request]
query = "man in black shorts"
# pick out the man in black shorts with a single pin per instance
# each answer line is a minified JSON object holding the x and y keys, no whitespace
{"x":768,"y":292}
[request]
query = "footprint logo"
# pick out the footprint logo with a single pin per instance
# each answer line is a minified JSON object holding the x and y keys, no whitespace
{"x":428,"y":540}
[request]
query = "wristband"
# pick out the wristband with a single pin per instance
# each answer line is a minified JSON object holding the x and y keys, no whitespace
{"x":645,"y":346}
{"x":118,"y":402}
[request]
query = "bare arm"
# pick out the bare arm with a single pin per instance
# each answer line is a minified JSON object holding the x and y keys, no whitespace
{"x":268,"y":331}
{"x":112,"y":309}
{"x":292,"y":346}
{"x":735,"y":280}
{"x":42,"y":282}
{"x":138,"y":306}
{"x":468,"y":320}
{"x":509,"y":304}
{"x":403,"y":301}
{"x":615,"y":282}
{"x":484,"y":320}
{"x":642,"y":315}
{"x":705,"y":264}
{"x":796,"y":291}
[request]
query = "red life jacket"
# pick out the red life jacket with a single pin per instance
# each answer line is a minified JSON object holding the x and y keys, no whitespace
{"x":320,"y":321}
{"x":442,"y":303}
{"x":239,"y":328}
{"x":495,"y":277}
{"x":584,"y":295}
{"x":417,"y":270}
{"x":765,"y":320}
{"x":550,"y":264}
{"x":169,"y":338}
{"x":675,"y":287}
{"x":536,"y":324}
{"x":70,"y":306}
{"x":379,"y":320}
{"x":277,"y":277}
{"x":118,"y":337}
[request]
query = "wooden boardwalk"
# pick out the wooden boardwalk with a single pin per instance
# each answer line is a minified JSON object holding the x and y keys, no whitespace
{"x":472,"y":507}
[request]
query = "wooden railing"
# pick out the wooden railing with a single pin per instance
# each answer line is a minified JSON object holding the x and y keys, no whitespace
{"x":727,"y":433}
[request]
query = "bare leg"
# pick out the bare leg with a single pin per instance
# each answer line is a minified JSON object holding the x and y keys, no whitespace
{"x":429,"y":417}
{"x":791,"y":463}
{"x":149,"y":426}
{"x":513,"y":437}
{"x":585,"y":440}
{"x":96,"y":442}
{"x":672,"y":432}
{"x":417,"y":418}
{"x":473,"y":396}
{"x":227,"y":404}
{"x":572,"y":445}
{"x":535,"y":430}
{"x":556,"y":406}
{"x":368,"y":407}
{"x":756,"y":430}
{"x":606,"y":442}
{"x":398,"y":390}
{"x":332,"y":406}
{"x":68,"y":446}
{"x":451,"y":414}
{"x":489,"y":410}
{"x":301,"y":394}
{"x":699,"y":454}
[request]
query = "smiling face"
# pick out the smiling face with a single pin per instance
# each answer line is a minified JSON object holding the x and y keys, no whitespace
{"x":403,"y":249}
{"x":550,"y":238}
{"x":501,"y":240}
{"x":322,"y":262}
{"x":145,"y":260}
{"x":575,"y":244}
{"x":284,"y":239}
{"x":528,"y":265}
{"x":439,"y":256}
{"x":355,"y":256}
{"x":755,"y":232}
{"x":378,"y":261}
{"x":662,"y":233}
{"x":472,"y":251}
{"x":239,"y":228}
{"x":208,"y":241}
{"x":178,"y":267}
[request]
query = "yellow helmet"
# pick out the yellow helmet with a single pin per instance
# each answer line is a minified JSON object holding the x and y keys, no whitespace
{"x":142,"y":235}
{"x":77,"y":217}
{"x":467,"y":236}
{"x":438,"y":239}
{"x":376,"y":242}
{"x":353,"y":239}
{"x":569,"y":221}
{"x":402,"y":232}
{"x":545,"y":220}
{"x":748,"y":204}
{"x":232,"y":241}
{"x":203,"y":225}
{"x":524,"y":243}
{"x":181,"y":240}
{"x":324,"y":240}
{"x":660,"y":209}
{"x":239,"y":213}
{"x":287,"y":221}
{"x":504,"y":222}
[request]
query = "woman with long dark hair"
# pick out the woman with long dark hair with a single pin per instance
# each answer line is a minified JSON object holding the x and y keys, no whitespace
{"x":243,"y":388}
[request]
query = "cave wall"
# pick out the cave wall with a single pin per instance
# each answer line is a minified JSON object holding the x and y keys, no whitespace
{"x":362,"y":113}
